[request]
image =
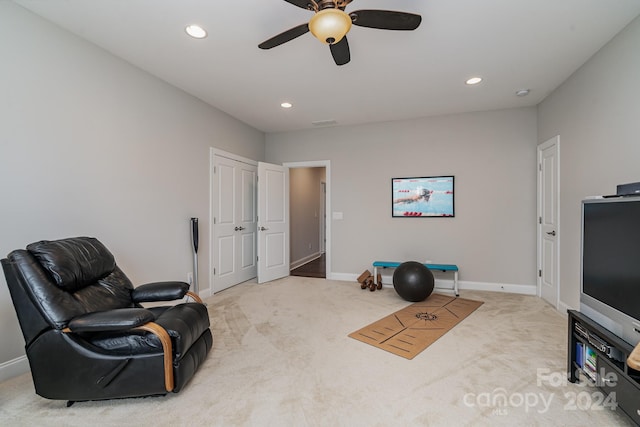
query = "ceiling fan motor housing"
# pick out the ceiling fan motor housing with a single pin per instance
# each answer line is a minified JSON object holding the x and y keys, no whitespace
{"x":330,"y":25}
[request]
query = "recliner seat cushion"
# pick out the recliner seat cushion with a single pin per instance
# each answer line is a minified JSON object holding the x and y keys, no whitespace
{"x":74,"y":263}
{"x":184,"y":323}
{"x":128,"y":343}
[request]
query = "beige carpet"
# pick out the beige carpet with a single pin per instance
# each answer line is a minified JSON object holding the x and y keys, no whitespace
{"x":410,"y":330}
{"x":282,"y":357}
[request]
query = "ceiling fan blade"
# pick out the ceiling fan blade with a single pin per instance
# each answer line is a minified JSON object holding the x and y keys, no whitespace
{"x":305,"y":4}
{"x":386,"y":19}
{"x":285,"y":36}
{"x":340,"y":52}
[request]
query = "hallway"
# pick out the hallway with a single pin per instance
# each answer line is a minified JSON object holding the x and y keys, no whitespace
{"x":315,"y":268}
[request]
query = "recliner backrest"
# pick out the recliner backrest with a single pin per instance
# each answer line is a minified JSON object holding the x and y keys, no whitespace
{"x":74,"y":263}
{"x":66,"y":278}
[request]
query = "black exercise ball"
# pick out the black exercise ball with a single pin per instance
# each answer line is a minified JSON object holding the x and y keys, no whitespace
{"x":413,"y":281}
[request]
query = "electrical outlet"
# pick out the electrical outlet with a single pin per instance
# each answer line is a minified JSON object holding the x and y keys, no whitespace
{"x":309,"y":245}
{"x":190,"y":278}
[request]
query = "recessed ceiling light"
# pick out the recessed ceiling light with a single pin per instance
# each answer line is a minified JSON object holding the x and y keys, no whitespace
{"x":286,"y":105}
{"x":522,"y":92}
{"x":196,"y":31}
{"x":474,"y":80}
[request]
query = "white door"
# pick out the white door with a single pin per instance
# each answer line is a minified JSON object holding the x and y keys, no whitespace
{"x":234,"y":221}
{"x":273,"y":222}
{"x":548,"y":220}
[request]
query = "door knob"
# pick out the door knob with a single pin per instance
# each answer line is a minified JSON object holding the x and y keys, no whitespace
{"x":551,"y":233}
{"x":263,"y":228}
{"x":239,"y":228}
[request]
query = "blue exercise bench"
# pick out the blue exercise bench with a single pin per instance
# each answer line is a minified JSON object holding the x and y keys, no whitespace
{"x":440,"y":267}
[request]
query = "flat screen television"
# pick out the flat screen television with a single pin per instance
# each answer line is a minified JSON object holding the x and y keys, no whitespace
{"x":610,"y":265}
{"x":422,"y":197}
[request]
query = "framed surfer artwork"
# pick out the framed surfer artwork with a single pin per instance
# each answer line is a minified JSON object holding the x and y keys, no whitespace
{"x":420,"y":197}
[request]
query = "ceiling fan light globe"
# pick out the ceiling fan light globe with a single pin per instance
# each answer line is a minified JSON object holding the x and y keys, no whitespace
{"x":330,"y":25}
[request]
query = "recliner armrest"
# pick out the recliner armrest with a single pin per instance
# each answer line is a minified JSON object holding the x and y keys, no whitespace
{"x":121,"y":319}
{"x":160,"y":291}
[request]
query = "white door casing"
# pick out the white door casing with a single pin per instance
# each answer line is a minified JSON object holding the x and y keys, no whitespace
{"x":234,"y":222}
{"x":273,"y":222}
{"x":323,"y":217}
{"x":548,"y":220}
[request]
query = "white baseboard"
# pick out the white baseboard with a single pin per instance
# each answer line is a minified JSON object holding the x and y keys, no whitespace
{"x":387,"y":280}
{"x":563,"y":308}
{"x":342,"y":277}
{"x":499,"y":287}
{"x":205,"y":293}
{"x":13,"y":368}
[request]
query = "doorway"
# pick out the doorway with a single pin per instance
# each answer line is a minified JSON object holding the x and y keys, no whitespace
{"x":309,"y":208}
{"x":223,"y":260}
{"x":315,"y":268}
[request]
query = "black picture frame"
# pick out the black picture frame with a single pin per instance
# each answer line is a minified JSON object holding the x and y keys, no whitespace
{"x":423,"y":197}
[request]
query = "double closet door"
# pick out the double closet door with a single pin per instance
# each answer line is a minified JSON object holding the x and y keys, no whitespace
{"x":234,"y":222}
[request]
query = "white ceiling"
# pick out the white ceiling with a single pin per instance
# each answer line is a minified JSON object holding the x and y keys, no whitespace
{"x":512,"y":44}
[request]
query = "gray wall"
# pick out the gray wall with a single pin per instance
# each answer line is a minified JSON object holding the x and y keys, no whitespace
{"x":90,"y":145}
{"x":493,"y":157}
{"x":596,"y":112}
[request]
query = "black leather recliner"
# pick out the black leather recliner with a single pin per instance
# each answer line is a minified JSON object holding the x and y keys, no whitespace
{"x":87,"y":336}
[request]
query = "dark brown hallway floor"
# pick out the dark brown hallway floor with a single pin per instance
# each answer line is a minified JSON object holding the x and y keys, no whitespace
{"x":315,"y":268}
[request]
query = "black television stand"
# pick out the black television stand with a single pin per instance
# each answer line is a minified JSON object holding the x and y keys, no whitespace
{"x":598,"y":356}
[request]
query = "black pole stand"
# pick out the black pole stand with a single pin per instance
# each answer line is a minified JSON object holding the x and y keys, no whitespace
{"x":194,"y":246}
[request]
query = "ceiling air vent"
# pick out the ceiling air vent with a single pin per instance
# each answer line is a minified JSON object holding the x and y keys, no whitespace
{"x":324,"y":123}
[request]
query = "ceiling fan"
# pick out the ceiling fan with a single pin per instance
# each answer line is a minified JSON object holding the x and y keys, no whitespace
{"x":330,"y":24}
